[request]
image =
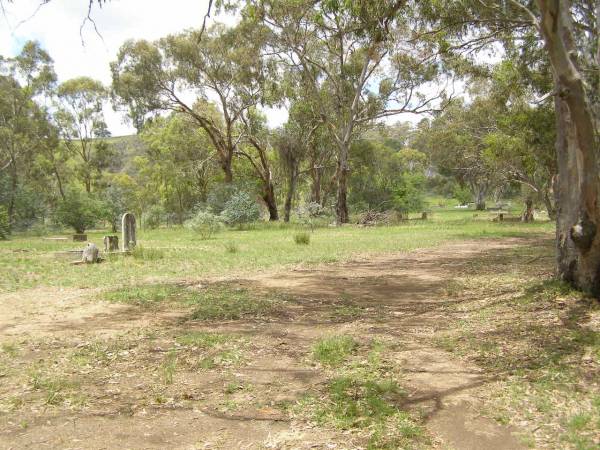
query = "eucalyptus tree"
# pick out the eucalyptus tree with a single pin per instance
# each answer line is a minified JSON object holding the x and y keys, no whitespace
{"x":25,"y":131}
{"x":80,"y":118}
{"x":226,"y":69}
{"x":566,"y":33}
{"x":356,"y":61}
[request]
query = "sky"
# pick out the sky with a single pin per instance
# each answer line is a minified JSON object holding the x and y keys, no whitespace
{"x":56,"y":25}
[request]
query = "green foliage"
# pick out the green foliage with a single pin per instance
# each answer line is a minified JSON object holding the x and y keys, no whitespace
{"x":302,"y":238}
{"x":4,"y":225}
{"x":462,"y":194}
{"x":205,"y":224}
{"x":79,"y":211}
{"x":240,"y":209}
{"x":409,"y":193}
{"x":154,"y":217}
{"x":334,"y":350}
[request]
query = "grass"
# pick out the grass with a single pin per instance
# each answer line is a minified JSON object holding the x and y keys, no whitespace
{"x":362,"y":395}
{"x":333,"y":350}
{"x":175,"y":253}
{"x":204,"y":340}
{"x":542,"y":341}
{"x":302,"y":238}
{"x":215,"y":302}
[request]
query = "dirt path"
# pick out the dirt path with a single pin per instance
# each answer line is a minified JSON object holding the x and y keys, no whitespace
{"x":242,"y":400}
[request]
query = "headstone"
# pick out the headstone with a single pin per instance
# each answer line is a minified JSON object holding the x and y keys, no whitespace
{"x":80,"y":237}
{"x":90,"y":254}
{"x":128,"y":232}
{"x":111,"y":243}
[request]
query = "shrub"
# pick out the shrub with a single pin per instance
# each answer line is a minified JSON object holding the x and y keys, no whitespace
{"x":218,"y":196}
{"x":154,"y":217}
{"x":241,"y":208}
{"x":4,"y":225}
{"x":462,"y":195}
{"x":205,"y":224}
{"x":79,"y":211}
{"x":302,"y":238}
{"x":409,"y":193}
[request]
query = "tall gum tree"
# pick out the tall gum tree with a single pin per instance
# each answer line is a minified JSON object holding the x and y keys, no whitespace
{"x":359,"y":63}
{"x":224,"y":67}
{"x":568,"y":33}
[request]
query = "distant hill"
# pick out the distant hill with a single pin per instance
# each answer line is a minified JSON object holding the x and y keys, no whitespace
{"x":126,"y":149}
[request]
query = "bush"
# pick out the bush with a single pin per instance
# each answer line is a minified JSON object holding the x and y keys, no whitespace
{"x":241,"y":208}
{"x":302,"y":238}
{"x":218,"y":196}
{"x":462,"y":194}
{"x":79,"y":211}
{"x":4,"y":225}
{"x":409,"y":193}
{"x":154,"y":217}
{"x":205,"y":224}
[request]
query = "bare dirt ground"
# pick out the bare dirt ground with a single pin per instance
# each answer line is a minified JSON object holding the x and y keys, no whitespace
{"x":84,"y":373}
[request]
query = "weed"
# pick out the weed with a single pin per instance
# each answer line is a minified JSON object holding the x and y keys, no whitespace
{"x":226,"y":303}
{"x":143,"y":295}
{"x":147,"y":253}
{"x":231,"y":247}
{"x":168,"y":367}
{"x":302,"y":238}
{"x":10,"y":349}
{"x":334,"y":350}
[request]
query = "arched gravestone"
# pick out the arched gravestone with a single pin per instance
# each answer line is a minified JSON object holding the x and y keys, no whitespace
{"x":128,"y":232}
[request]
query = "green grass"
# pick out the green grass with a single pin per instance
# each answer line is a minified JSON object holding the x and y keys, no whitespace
{"x":176,"y":253}
{"x":333,"y":350}
{"x":215,"y":302}
{"x":362,"y":394}
{"x":302,"y":238}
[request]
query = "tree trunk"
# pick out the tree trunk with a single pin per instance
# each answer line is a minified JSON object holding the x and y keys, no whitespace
{"x":546,"y":198}
{"x":315,"y":189}
{"x":226,"y":166}
{"x":290,"y":194}
{"x":480,"y":199}
{"x":341,"y":205}
{"x":13,"y":192}
{"x":269,"y":198}
{"x":578,"y":242}
{"x":527,"y":215}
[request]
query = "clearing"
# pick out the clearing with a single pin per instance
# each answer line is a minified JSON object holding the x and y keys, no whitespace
{"x":464,"y":346}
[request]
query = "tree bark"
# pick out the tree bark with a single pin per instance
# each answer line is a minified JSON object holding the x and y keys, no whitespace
{"x":287,"y":209}
{"x":527,"y":215}
{"x":315,"y":188}
{"x":578,"y":242}
{"x":480,"y":198}
{"x":270,"y":200}
{"x":341,"y":205}
{"x":227,"y":170}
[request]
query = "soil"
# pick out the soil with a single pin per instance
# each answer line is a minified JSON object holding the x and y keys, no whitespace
{"x":400,"y":299}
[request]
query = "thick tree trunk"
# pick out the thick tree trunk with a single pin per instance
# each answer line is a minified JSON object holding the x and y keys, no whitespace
{"x":226,"y":166}
{"x":270,"y":200}
{"x":480,"y":199}
{"x":290,"y":194}
{"x":578,"y":240}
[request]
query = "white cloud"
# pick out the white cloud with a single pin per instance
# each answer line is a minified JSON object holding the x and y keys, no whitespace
{"x":56,"y":26}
